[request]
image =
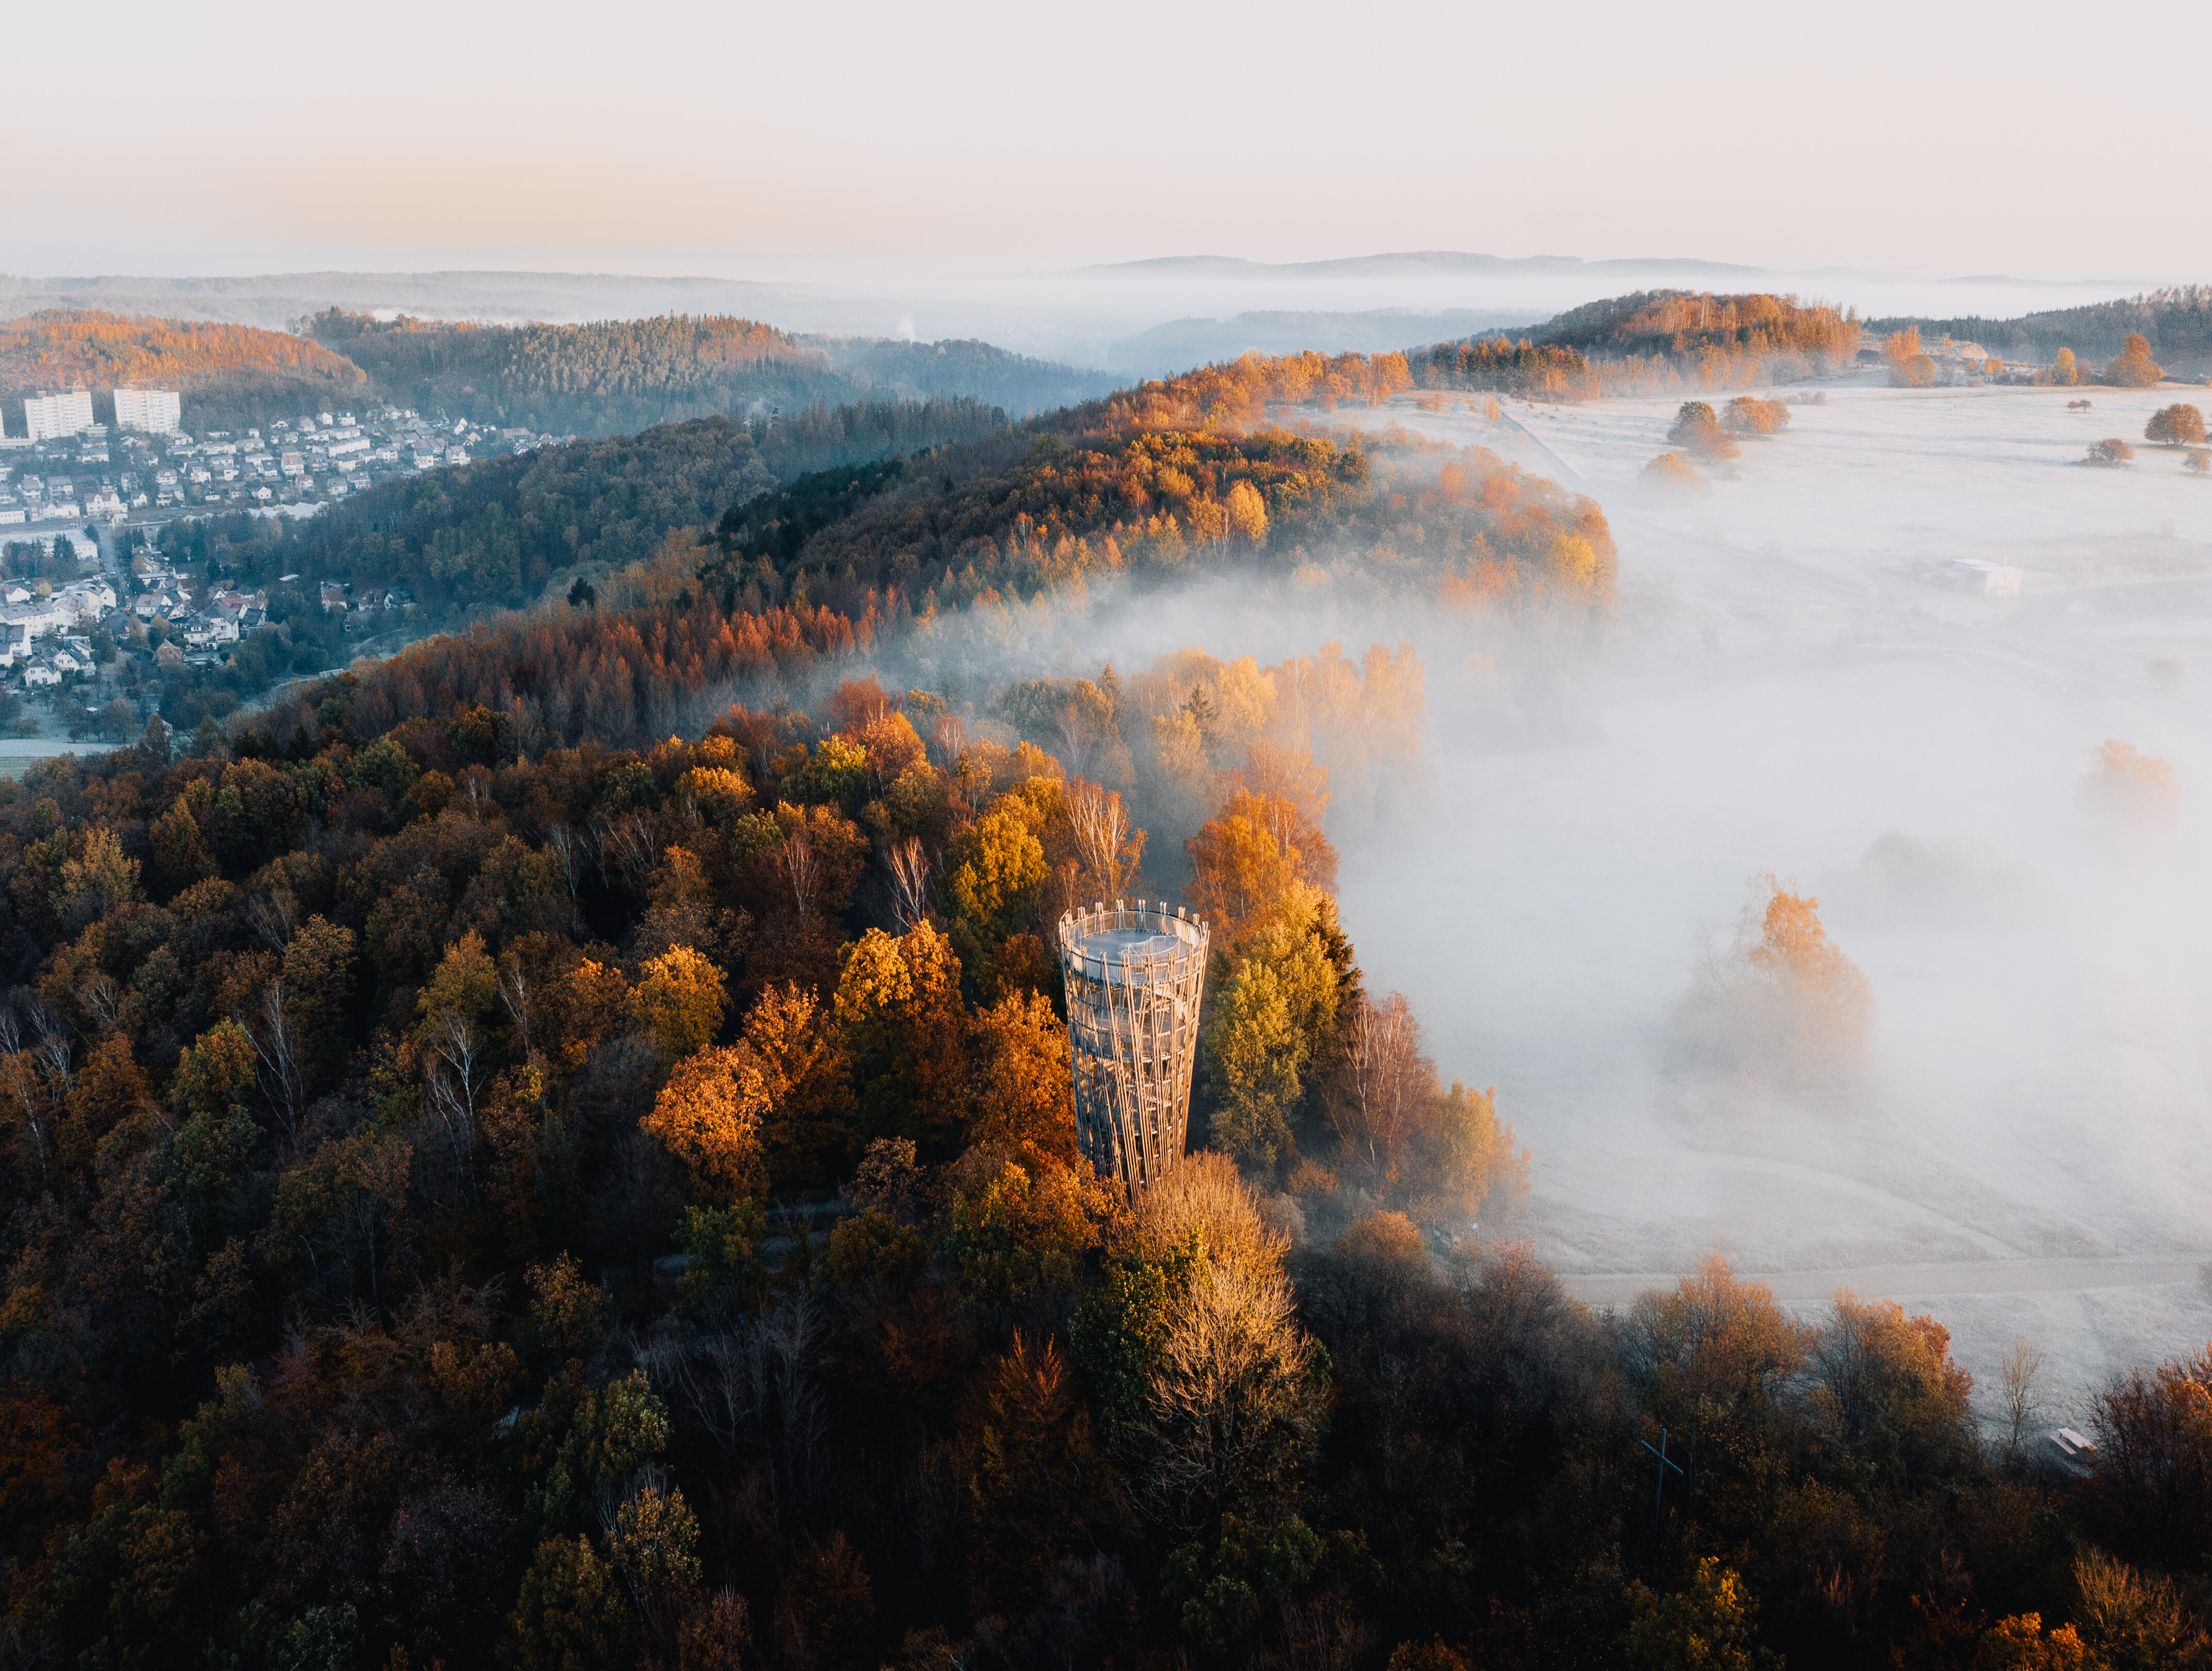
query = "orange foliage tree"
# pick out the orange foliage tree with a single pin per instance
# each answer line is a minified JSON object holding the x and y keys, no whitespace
{"x":2127,"y":785}
{"x":708,"y":1116}
{"x":1243,"y":858}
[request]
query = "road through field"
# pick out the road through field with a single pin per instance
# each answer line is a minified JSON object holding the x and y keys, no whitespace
{"x":1810,"y":1290}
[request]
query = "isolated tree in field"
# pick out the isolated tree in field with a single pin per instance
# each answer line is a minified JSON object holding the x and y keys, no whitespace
{"x":1909,"y":368}
{"x":1833,"y":1001}
{"x":2129,"y":786}
{"x":2198,"y":463}
{"x":2134,"y":369}
{"x":1782,"y":1001}
{"x":2022,"y":1362}
{"x":2109,"y":453}
{"x":2178,"y":425}
{"x":1673,"y":470}
{"x":1748,"y":415}
{"x":1697,"y":431}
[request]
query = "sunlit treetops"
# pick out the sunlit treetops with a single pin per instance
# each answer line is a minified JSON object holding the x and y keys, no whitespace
{"x":229,"y":375}
{"x":1526,"y":368}
{"x":1651,"y":341}
{"x":61,"y":346}
{"x":1190,"y":471}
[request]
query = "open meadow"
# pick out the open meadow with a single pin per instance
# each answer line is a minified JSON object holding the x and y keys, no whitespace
{"x":1800,"y":681}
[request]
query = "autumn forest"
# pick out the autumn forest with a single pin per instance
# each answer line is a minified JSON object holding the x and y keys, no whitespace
{"x":555,"y":1148}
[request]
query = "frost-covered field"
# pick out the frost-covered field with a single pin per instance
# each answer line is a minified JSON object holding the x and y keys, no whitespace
{"x":1788,"y":683}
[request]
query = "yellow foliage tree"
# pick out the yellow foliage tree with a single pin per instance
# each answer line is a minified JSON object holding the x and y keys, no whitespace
{"x":1247,"y":513}
{"x":99,"y":872}
{"x":680,"y":1001}
{"x":898,"y":1013}
{"x":1248,"y":857}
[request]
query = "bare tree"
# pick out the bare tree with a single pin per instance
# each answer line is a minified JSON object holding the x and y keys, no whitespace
{"x":1385,"y":1080}
{"x":798,"y":866}
{"x":1230,"y":1407}
{"x":451,"y":1082}
{"x":626,"y":846}
{"x":755,"y":1389}
{"x":1078,"y":737}
{"x":911,"y":867}
{"x":54,"y":1047}
{"x":103,"y":998}
{"x":274,"y":915}
{"x":276,"y":1051}
{"x":2021,"y":1363}
{"x":950,"y":736}
{"x":566,"y":849}
{"x":515,"y":994}
{"x":1102,"y":833}
{"x":18,"y":1068}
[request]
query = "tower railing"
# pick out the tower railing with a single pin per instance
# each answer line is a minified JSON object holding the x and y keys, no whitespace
{"x":1135,"y":976}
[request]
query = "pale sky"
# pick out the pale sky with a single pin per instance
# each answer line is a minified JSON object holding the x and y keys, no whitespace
{"x":665,"y":135}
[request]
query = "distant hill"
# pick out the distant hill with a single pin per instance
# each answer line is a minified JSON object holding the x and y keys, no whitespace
{"x":232,"y":376}
{"x":620,"y":376}
{"x":972,"y":369}
{"x":1181,"y":344}
{"x":1407,"y":263}
{"x":612,"y":376}
{"x":2177,"y":323}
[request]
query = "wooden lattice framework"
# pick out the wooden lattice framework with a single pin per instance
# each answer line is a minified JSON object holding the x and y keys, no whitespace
{"x":1134,"y":979}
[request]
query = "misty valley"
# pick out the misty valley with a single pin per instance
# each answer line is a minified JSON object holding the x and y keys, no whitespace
{"x":1539,"y":999}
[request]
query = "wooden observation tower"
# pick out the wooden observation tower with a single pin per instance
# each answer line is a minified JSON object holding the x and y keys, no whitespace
{"x":1135,"y":978}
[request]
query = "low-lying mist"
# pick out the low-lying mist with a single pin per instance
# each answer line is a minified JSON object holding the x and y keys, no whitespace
{"x":1800,"y":679}
{"x":1794,"y":686}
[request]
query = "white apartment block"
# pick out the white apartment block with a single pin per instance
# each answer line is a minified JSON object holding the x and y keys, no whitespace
{"x":48,"y":416}
{"x":157,"y":412}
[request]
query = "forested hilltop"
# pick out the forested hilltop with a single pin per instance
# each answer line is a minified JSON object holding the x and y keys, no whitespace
{"x":1190,"y":475}
{"x":613,"y":377}
{"x":557,"y":1150}
{"x":617,"y":376}
{"x":232,"y":376}
{"x":492,"y":534}
{"x":1652,"y":341}
{"x":1022,"y":386}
